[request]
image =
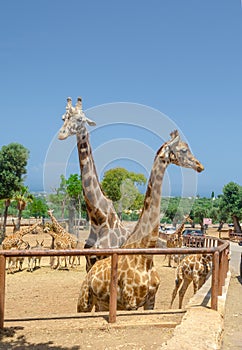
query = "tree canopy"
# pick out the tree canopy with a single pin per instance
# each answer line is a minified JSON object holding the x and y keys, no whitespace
{"x":38,"y":207}
{"x":113,"y":179}
{"x":22,"y":197}
{"x":13,"y":162}
{"x":230,"y":203}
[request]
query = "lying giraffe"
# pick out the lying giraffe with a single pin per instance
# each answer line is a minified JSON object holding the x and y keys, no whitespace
{"x":137,"y":279}
{"x":193,"y":268}
{"x":13,"y":240}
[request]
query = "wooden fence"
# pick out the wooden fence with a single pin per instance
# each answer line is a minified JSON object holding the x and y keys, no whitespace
{"x":218,"y":248}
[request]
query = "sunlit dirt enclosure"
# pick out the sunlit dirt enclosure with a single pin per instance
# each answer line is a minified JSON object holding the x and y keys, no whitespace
{"x":40,"y":311}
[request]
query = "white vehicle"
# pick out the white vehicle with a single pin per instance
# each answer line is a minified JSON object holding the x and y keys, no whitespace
{"x":170,"y":230}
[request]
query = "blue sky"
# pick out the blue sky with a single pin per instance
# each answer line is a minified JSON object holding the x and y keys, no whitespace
{"x":181,"y":58}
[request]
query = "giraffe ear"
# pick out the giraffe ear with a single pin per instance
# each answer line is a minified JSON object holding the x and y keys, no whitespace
{"x":90,"y":122}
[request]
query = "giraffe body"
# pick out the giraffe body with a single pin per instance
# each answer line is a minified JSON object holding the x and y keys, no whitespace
{"x":15,"y":263}
{"x":106,"y":231}
{"x":61,"y":232}
{"x":34,"y":261}
{"x":62,"y":240}
{"x":13,"y":240}
{"x":193,"y":268}
{"x":60,"y":243}
{"x":138,"y":281}
{"x":139,"y":291}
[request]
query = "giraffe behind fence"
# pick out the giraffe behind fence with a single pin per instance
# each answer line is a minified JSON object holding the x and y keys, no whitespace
{"x":193,"y":268}
{"x":13,"y":240}
{"x":106,"y":229}
{"x":138,"y":281}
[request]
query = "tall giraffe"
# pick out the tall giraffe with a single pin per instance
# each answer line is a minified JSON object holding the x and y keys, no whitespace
{"x":13,"y":240}
{"x":137,"y":278}
{"x":193,"y":268}
{"x":106,"y":231}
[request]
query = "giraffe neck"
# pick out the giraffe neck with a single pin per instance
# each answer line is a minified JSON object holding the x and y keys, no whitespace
{"x":146,"y":232}
{"x":56,"y":224}
{"x":180,"y":229}
{"x":98,"y":205}
{"x":28,"y":229}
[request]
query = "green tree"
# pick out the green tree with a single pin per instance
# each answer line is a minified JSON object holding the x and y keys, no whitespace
{"x":38,"y":207}
{"x":22,"y":197}
{"x":138,"y":202}
{"x":128,"y":195}
{"x":60,"y":198}
{"x":113,"y":180}
{"x":230,"y":203}
{"x":198,"y":214}
{"x":13,"y":162}
{"x":75,"y":193}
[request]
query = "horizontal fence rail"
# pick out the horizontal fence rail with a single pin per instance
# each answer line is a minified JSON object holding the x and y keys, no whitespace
{"x":218,"y":248}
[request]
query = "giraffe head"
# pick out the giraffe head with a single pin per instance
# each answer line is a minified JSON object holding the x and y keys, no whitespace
{"x":74,"y":120}
{"x":177,"y":152}
{"x":50,"y":211}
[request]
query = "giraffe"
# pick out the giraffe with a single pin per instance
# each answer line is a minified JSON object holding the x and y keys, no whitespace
{"x":60,"y":243}
{"x":62,"y":238}
{"x":13,"y":240}
{"x":57,"y":228}
{"x":175,"y":240}
{"x":106,"y":229}
{"x":15,"y":263}
{"x":33,"y":261}
{"x":137,"y":278}
{"x":193,"y":268}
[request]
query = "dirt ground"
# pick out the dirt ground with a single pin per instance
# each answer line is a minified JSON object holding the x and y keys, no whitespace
{"x":40,"y":312}
{"x":232,"y":338}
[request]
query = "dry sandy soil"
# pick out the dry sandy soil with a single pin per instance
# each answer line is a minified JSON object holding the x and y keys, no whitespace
{"x":40,"y":312}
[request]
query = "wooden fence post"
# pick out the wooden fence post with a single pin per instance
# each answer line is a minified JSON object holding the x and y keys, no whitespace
{"x":113,"y":288}
{"x":215,"y":272}
{"x":2,"y":289}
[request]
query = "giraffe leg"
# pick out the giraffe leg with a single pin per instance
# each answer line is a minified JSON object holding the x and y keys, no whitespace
{"x":85,"y":300}
{"x":201,"y":282}
{"x":169,"y":260}
{"x":198,"y":283}
{"x":72,"y":261}
{"x":182,"y":291}
{"x":153,"y":287}
{"x":178,"y":282}
{"x":57,"y":266}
